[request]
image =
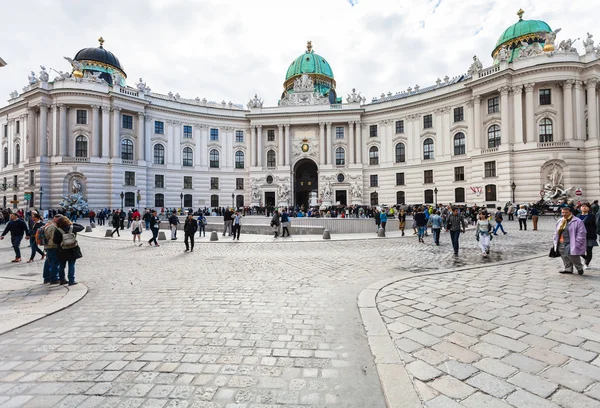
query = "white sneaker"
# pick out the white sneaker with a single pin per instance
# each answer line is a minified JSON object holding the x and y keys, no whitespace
{"x":585,"y":266}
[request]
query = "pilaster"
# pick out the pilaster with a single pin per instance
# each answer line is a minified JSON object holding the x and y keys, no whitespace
{"x":518,"y":114}
{"x":569,"y":119}
{"x":529,"y":115}
{"x":95,"y":131}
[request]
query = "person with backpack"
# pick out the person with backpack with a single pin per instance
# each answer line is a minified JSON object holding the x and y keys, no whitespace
{"x":65,"y":237}
{"x":236,"y":225}
{"x":37,"y":224}
{"x":285,"y":223}
{"x":17,"y":228}
{"x":45,"y":237}
{"x":189,"y":228}
{"x":116,"y":224}
{"x":154,"y":227}
{"x":202,"y":225}
{"x":498,"y":218}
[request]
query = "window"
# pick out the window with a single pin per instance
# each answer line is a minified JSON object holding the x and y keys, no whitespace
{"x":427,"y":122}
{"x":374,"y":198}
{"x":159,"y":200}
{"x":81,"y":117}
{"x":32,"y":177}
{"x":271,"y":158}
{"x":18,"y":123}
{"x":239,"y":136}
{"x":428,"y":149}
{"x":373,"y":180}
{"x":490,"y":169}
{"x":341,"y":178}
{"x":130,"y":178}
{"x":494,"y":104}
{"x":399,"y":126}
{"x":159,"y":127}
{"x":239,"y":160}
{"x":339,"y":132}
{"x":81,"y":146}
{"x":459,"y":173}
{"x":239,"y":200}
{"x":5,"y":156}
{"x":459,"y":114}
{"x":428,"y":197}
{"x":128,"y":122}
{"x":400,"y":197}
{"x":373,"y":156}
{"x":400,"y":153}
{"x":493,"y":136}
{"x":187,"y":200}
{"x":159,"y":154}
{"x":129,"y":199}
{"x":271,"y":135}
{"x":239,"y":183}
{"x":214,"y":183}
{"x":159,"y":181}
{"x":490,"y":192}
{"x":545,"y":97}
{"x":126,"y":149}
{"x":373,"y":130}
{"x":5,"y":130}
{"x":459,"y":195}
{"x":428,"y":176}
{"x":399,"y":179}
{"x":214,"y":134}
{"x":17,"y":154}
{"x":340,"y":156}
{"x":188,"y":182}
{"x":214,"y":200}
{"x":187,"y":132}
{"x":188,"y":157}
{"x":214,"y":159}
{"x":545,"y":130}
{"x":459,"y":144}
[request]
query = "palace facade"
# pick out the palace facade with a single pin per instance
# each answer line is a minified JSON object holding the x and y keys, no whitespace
{"x":485,"y":137}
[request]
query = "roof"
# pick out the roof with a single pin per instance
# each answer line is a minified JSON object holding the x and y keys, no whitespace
{"x":522,"y":30}
{"x":412,"y":92}
{"x":309,"y":63}
{"x":99,"y":54}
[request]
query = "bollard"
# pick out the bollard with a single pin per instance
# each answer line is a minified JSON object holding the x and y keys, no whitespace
{"x":326,"y":234}
{"x":162,"y":236}
{"x":88,"y":229}
{"x":381,"y":233}
{"x":108,"y":233}
{"x":93,"y":224}
{"x":214,"y":236}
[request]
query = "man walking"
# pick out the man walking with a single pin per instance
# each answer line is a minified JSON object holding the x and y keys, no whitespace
{"x":227,"y":220}
{"x":146,"y":219}
{"x":436,"y":227}
{"x":122,"y":216}
{"x":189,"y":228}
{"x":116,"y":224}
{"x":173,"y":221}
{"x":237,"y":225}
{"x":17,"y":228}
{"x":534,"y":217}
{"x":498,"y":218}
{"x":455,"y":224}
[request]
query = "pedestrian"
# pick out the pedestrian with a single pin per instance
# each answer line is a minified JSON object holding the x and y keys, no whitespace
{"x":189,"y":230}
{"x":285,"y":223}
{"x":236,"y":225}
{"x":92,"y":216}
{"x":436,"y":222}
{"x":402,"y":220}
{"x":570,"y":240}
{"x":534,"y":213}
{"x":155,"y":227}
{"x":101,"y":217}
{"x":377,"y":216}
{"x":421,"y":223}
{"x":498,"y":218}
{"x":522,"y":216}
{"x":202,"y":225}
{"x":129,"y":218}
{"x":52,"y":264}
{"x":146,"y":217}
{"x":37,"y":224}
{"x":116,"y":224}
{"x":455,"y":225}
{"x":595,"y":207}
{"x":65,"y":236}
{"x":227,"y":218}
{"x":136,"y":230}
{"x":511,"y":212}
{"x":173,"y":222}
{"x":589,"y":221}
{"x":122,"y":217}
{"x":275,"y":223}
{"x":17,"y":228}
{"x":383,"y":218}
{"x":483,"y":233}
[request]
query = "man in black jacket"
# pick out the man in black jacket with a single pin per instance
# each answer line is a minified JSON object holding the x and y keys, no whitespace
{"x":227,"y":218}
{"x":189,"y":228}
{"x":122,"y":216}
{"x":17,"y":228}
{"x":173,"y":222}
{"x":116,"y":223}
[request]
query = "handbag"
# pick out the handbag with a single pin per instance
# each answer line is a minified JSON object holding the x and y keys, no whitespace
{"x":554,"y":253}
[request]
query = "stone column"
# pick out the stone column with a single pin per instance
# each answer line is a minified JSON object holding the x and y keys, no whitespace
{"x":32,"y":133}
{"x":529,"y":115}
{"x":141,"y":137}
{"x":281,"y":154}
{"x":321,"y":143}
{"x":518,"y":113}
{"x":95,"y":130}
{"x":477,"y":121}
{"x":53,"y":143}
{"x":252,"y":143}
{"x":568,"y":108}
{"x":148,"y":138}
{"x":592,"y":108}
{"x":446,"y":136}
{"x":259,"y":145}
{"x":177,"y":154}
{"x":351,"y":157}
{"x":24,"y":129}
{"x":439,"y":148}
{"x":116,"y":133}
{"x":11,"y":141}
{"x":579,"y":114}
{"x":170,"y":143}
{"x":505,"y":130}
{"x":330,"y":158}
{"x":204,"y":144}
{"x":359,"y":144}
{"x":105,"y":132}
{"x":416,"y":139}
{"x":288,"y":146}
{"x":470,"y":136}
{"x":43,"y":133}
{"x":62,"y":130}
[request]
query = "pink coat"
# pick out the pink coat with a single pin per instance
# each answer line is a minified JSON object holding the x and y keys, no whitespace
{"x":577,"y":236}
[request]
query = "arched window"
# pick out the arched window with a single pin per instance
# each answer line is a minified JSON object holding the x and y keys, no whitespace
{"x":239,"y":159}
{"x":187,"y":200}
{"x":214,"y":158}
{"x":159,"y":154}
{"x":159,"y":200}
{"x":490,"y":192}
{"x":493,"y":136}
{"x":81,"y":146}
{"x":5,"y":156}
{"x":188,"y":157}
{"x":214,"y":200}
{"x":17,"y":154}
{"x":126,"y":149}
{"x":400,"y":197}
{"x":428,"y":149}
{"x":373,"y":156}
{"x":374,"y":198}
{"x":340,"y":156}
{"x":428,"y":196}
{"x":545,"y":130}
{"x":271,"y":158}
{"x":459,"y":195}
{"x":400,"y":153}
{"x":459,"y":144}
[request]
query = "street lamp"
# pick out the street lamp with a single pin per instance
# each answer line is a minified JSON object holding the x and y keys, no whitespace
{"x":435,"y":191}
{"x":122,"y":196}
{"x":41,"y":195}
{"x":513,"y":186}
{"x":181,"y":198}
{"x":232,"y":200}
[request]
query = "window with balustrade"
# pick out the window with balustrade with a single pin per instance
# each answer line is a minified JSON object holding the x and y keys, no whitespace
{"x":126,"y":149}
{"x":545,"y":128}
{"x":493,"y":136}
{"x":81,"y":146}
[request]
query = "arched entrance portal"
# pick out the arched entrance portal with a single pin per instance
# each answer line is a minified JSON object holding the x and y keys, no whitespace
{"x":306,"y":180}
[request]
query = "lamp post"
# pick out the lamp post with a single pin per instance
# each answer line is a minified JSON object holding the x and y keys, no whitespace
{"x":181,"y":199}
{"x":435,"y":191}
{"x":41,"y":195}
{"x":122,"y":196}
{"x":513,"y":186}
{"x":232,"y":200}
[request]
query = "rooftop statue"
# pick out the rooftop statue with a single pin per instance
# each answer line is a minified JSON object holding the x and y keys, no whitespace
{"x":43,"y":74}
{"x":354,"y":97}
{"x":588,"y":43}
{"x":14,"y":94}
{"x":503,"y":54}
{"x":32,"y":79}
{"x":529,"y":50}
{"x":476,"y":66}
{"x":567,"y":45}
{"x":77,"y":66}
{"x":255,"y":103}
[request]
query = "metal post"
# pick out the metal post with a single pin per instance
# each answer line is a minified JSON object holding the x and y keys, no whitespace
{"x":122,"y":195}
{"x":181,"y":199}
{"x":435,"y":190}
{"x":41,"y":194}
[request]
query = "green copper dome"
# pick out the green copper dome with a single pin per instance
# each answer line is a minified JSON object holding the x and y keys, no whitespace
{"x":314,"y":66}
{"x":522,"y":30}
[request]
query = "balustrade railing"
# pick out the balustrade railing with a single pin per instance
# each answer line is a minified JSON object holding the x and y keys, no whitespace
{"x":489,"y":150}
{"x":553,"y":144}
{"x":75,"y":159}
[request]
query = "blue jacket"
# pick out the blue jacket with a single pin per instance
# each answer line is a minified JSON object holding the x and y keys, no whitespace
{"x":436,"y":221}
{"x":383,"y":217}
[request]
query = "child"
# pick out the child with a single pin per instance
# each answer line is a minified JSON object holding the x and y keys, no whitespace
{"x":483,"y":233}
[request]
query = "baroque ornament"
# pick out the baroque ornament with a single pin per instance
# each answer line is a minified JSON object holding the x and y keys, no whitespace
{"x":255,"y":103}
{"x":304,"y":94}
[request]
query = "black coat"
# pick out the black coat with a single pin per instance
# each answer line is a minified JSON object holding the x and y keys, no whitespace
{"x":116,"y":220}
{"x":16,"y":228}
{"x":69,"y":254}
{"x":590,"y":226}
{"x":191,"y":226}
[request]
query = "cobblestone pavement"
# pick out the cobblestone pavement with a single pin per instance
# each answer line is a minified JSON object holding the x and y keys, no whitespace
{"x":243,"y":325}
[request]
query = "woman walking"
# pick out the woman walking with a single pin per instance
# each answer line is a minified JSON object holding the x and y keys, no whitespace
{"x":275,"y":223}
{"x":154,"y":227}
{"x":589,"y":220}
{"x":65,"y":236}
{"x":201,"y":225}
{"x":285,"y":222}
{"x":116,"y":224}
{"x":402,"y":220}
{"x":36,"y":225}
{"x":570,"y":240}
{"x":420,"y":223}
{"x":136,"y":230}
{"x":483,"y":233}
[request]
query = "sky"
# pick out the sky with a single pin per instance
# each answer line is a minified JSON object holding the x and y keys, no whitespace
{"x":232,"y":49}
